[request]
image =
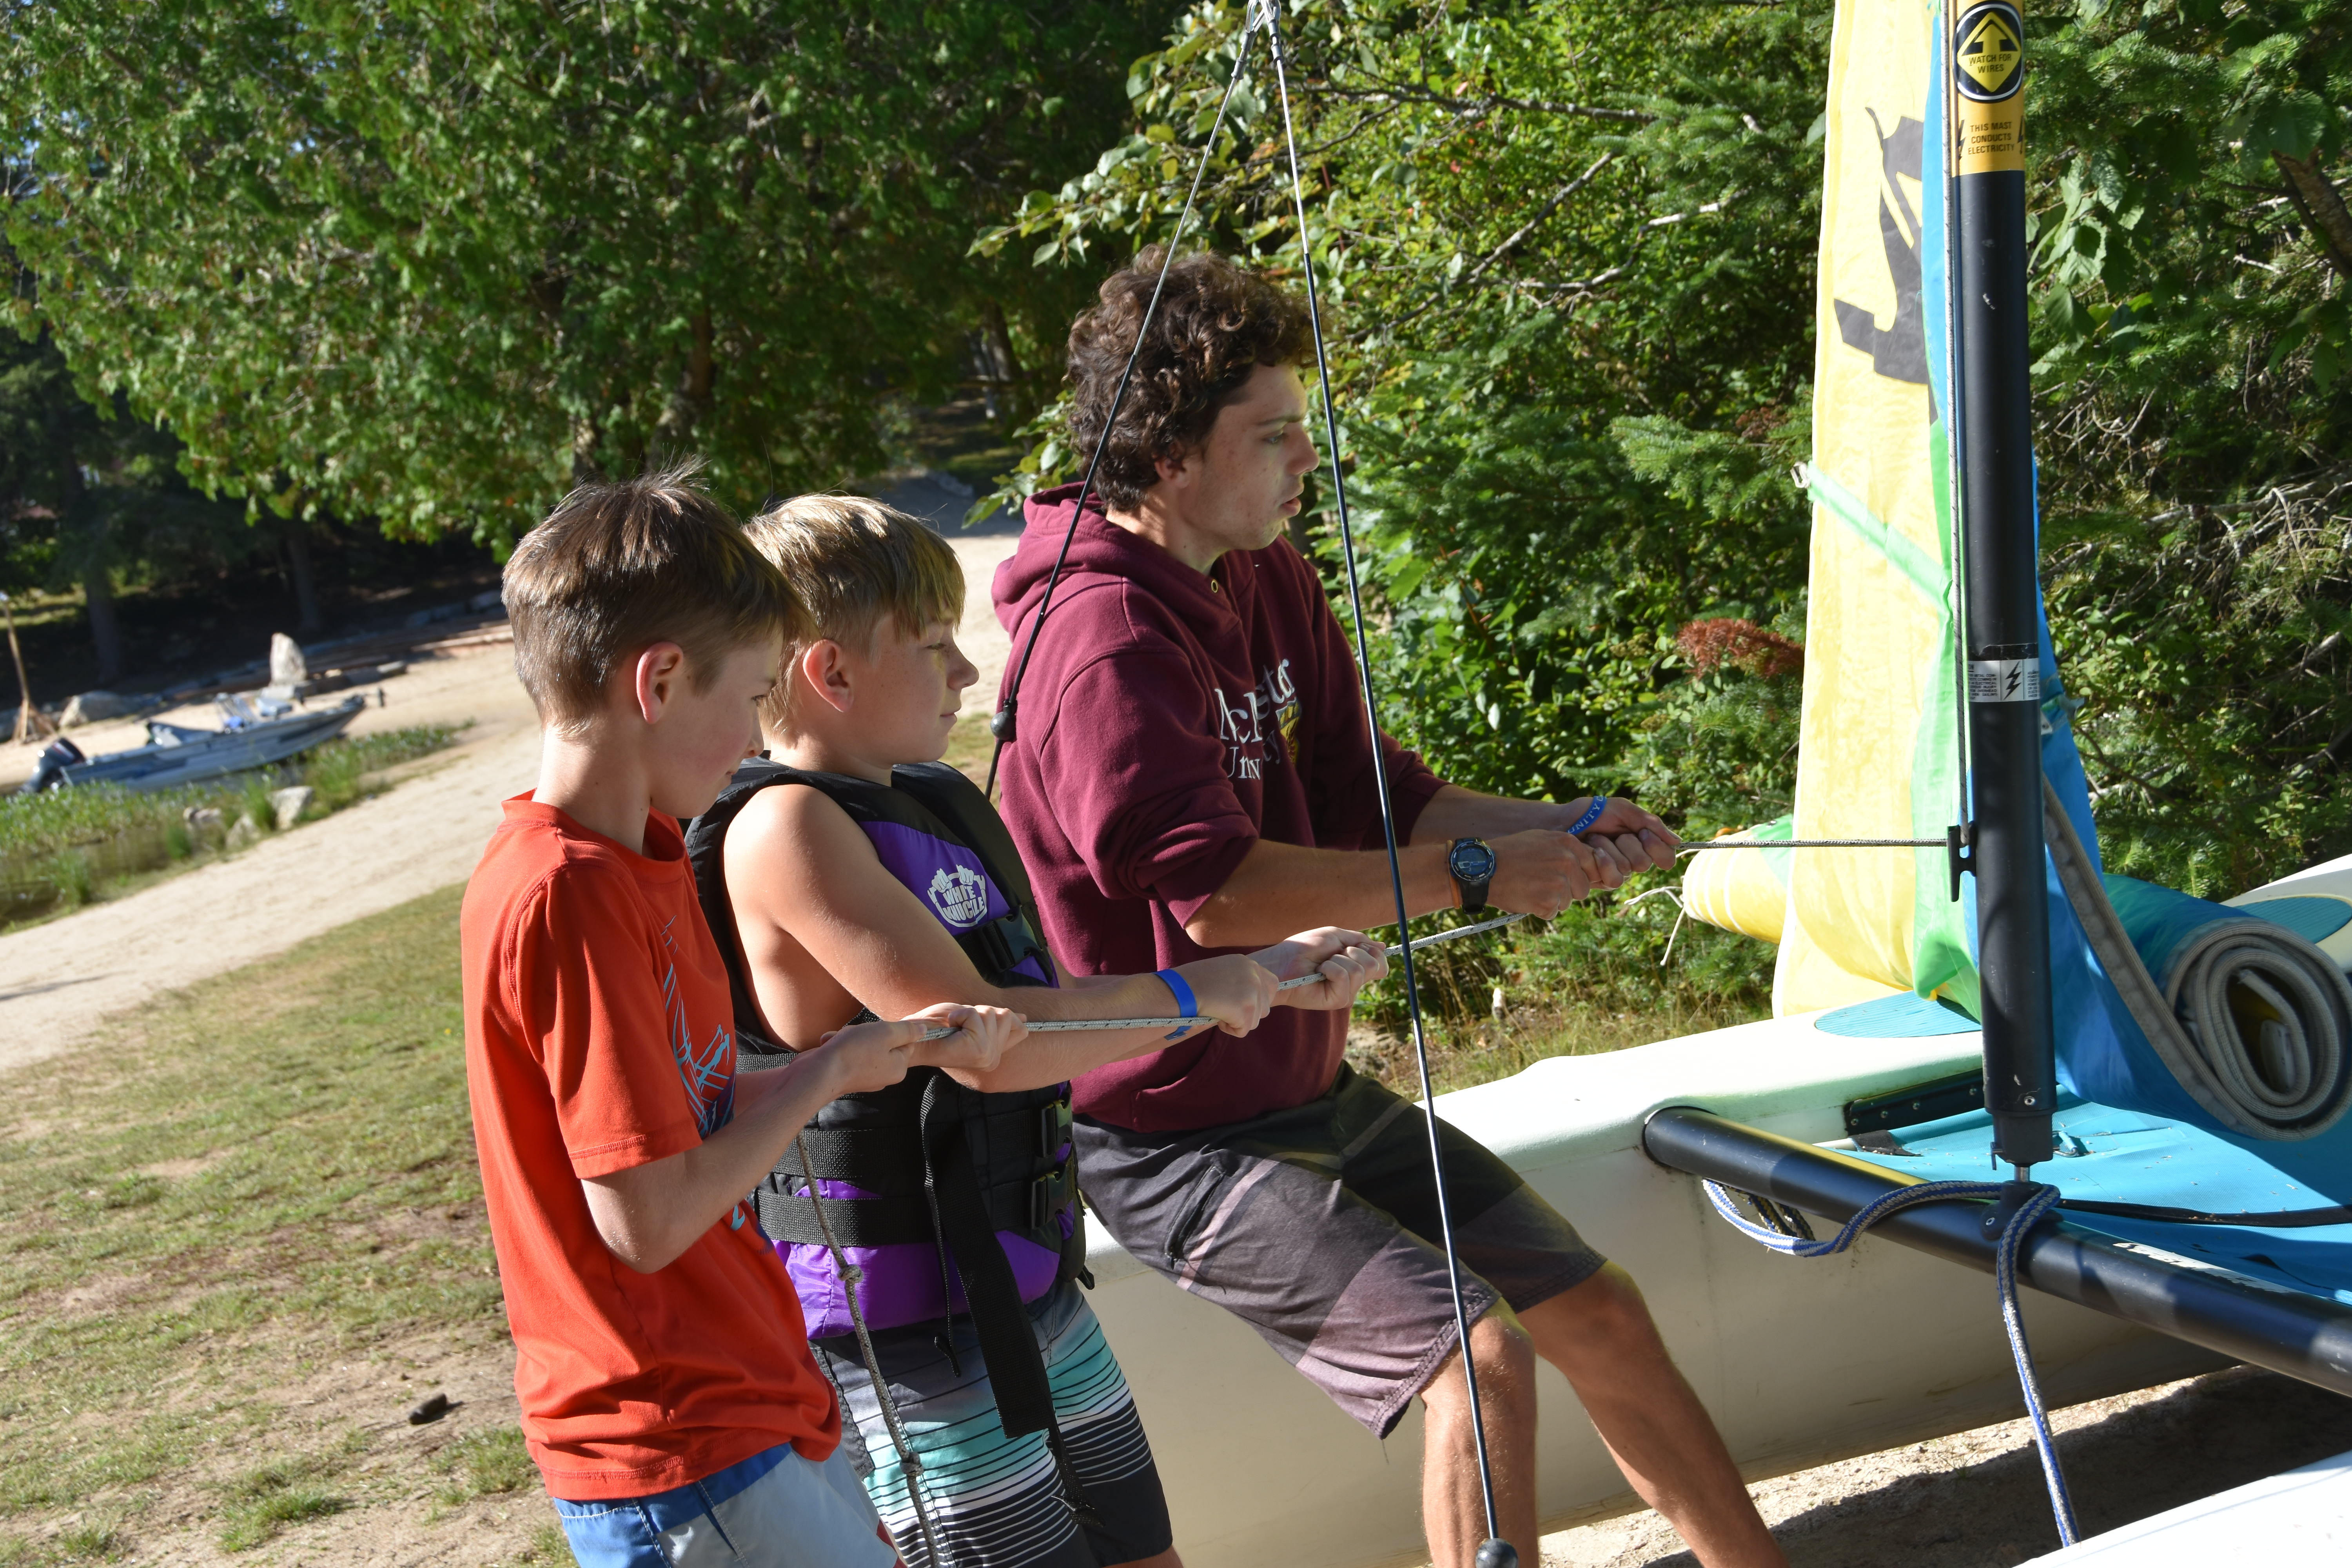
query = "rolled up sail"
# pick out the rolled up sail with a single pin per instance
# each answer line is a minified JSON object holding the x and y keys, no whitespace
{"x":1742,"y":889}
{"x":2249,"y":1020}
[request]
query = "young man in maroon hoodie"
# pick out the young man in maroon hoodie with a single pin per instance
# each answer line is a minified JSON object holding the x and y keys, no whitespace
{"x":1194,"y":774}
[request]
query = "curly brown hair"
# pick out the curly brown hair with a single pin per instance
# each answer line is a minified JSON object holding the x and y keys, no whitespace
{"x":1216,"y":324}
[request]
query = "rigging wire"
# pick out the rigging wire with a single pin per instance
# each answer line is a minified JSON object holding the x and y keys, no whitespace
{"x":1006,"y":723}
{"x":1494,"y":1552}
{"x":1734,"y":842}
{"x":910,"y":1463}
{"x":2032,"y":1200}
{"x":1963,"y":827}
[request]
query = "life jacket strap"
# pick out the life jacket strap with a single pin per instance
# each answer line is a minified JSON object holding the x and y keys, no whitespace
{"x":903,"y":1218}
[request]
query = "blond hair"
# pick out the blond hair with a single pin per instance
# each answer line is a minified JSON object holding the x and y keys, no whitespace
{"x":852,"y":562}
{"x":616,"y":568}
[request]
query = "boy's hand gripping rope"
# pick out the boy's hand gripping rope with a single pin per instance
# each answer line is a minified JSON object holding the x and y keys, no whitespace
{"x":1077,"y":1025}
{"x":2032,"y":1200}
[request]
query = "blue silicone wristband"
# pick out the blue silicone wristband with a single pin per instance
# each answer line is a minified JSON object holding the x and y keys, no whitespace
{"x":1591,"y":815}
{"x":1187,"y":1005}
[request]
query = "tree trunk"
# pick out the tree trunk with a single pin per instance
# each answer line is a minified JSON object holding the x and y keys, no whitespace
{"x":97,"y":585}
{"x":691,"y":400}
{"x":105,"y":625}
{"x":585,"y":439}
{"x":2322,"y":207}
{"x":306,"y":581}
{"x":1015,"y":387}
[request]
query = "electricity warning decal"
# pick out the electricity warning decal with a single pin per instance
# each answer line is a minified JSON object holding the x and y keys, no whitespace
{"x":1989,"y":46}
{"x":2005,"y":679}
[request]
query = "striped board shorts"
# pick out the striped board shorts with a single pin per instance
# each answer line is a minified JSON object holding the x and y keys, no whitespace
{"x":996,"y":1501}
{"x":1317,"y":1225}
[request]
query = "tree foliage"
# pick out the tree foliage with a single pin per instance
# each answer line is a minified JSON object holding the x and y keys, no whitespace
{"x":88,"y":494}
{"x":432,"y":263}
{"x":1574,"y":249}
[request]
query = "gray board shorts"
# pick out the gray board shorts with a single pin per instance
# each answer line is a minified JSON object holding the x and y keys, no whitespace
{"x":1318,"y":1226}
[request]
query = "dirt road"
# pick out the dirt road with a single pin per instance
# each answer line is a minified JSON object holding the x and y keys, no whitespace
{"x":58,"y":979}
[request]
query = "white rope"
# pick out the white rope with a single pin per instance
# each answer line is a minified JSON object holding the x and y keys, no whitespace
{"x":1077,"y":1025}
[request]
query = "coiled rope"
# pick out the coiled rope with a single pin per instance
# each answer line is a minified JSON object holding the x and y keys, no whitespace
{"x":2038,"y":1202}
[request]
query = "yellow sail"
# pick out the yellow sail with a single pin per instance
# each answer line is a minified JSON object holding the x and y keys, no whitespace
{"x":1876,"y":755}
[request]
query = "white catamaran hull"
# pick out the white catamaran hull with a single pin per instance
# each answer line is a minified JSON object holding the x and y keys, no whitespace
{"x":1799,"y":1362}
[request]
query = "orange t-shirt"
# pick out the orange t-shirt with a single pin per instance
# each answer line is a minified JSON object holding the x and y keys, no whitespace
{"x":599,"y":1037}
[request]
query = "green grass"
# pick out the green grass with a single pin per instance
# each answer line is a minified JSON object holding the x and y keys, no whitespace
{"x":64,"y":848}
{"x":262,"y":1503}
{"x":547,"y":1546}
{"x":238,"y":1184}
{"x":485,"y":1464}
{"x":969,"y":746}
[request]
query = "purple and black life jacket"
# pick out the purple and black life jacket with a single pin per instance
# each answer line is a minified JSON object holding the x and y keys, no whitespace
{"x":942,"y":1199}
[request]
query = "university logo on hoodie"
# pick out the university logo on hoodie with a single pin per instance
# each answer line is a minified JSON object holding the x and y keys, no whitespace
{"x":1242,"y":725}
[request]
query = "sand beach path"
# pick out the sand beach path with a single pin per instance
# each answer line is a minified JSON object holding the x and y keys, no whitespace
{"x":58,"y":979}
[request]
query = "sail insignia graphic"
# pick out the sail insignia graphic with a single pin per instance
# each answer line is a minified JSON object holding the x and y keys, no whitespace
{"x":1898,"y":351}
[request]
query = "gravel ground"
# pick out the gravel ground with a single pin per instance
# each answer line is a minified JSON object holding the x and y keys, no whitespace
{"x":1975,"y":1499}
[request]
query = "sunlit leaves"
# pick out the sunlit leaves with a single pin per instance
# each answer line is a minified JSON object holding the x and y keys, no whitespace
{"x":432,"y":263}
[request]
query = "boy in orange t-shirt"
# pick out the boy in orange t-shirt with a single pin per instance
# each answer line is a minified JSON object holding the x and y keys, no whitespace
{"x":668,"y":1393}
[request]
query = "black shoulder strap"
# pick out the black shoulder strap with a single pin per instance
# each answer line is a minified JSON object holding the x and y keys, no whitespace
{"x":706,"y":851}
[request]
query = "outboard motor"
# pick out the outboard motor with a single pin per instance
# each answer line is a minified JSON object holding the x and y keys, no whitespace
{"x":50,"y":771}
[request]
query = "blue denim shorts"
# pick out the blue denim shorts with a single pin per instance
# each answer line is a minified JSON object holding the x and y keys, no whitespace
{"x":775,"y":1510}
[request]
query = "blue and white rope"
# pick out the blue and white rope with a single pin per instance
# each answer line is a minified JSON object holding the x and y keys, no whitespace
{"x":2004,"y":1274}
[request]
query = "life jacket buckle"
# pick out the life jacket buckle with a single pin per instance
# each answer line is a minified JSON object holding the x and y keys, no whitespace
{"x":1049,"y":1194}
{"x":1053,"y":1123}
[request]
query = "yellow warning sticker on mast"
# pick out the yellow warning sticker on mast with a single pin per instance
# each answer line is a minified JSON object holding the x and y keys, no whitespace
{"x":1989,"y":50}
{"x":1987,"y":105}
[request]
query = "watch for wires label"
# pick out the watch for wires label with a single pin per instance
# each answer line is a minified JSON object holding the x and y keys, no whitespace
{"x":2004,"y":681}
{"x":1987,"y":105}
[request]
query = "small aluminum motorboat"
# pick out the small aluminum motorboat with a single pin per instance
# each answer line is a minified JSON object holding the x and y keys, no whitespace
{"x":179,"y":754}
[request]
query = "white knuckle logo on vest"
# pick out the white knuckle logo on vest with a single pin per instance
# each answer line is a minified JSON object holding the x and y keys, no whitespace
{"x":960,"y":895}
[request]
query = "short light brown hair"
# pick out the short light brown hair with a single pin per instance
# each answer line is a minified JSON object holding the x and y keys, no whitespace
{"x":616,"y":568}
{"x":1215,"y":324}
{"x":852,"y":562}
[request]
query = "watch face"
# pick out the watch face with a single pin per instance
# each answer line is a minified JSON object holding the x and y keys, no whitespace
{"x":1471,"y":861}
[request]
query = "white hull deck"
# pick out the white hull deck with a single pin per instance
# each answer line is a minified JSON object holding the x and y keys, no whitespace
{"x":1799,"y":1362}
{"x":2301,"y":1515}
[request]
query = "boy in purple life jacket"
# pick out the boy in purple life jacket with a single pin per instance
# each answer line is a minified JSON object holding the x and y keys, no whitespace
{"x":932,"y":1230}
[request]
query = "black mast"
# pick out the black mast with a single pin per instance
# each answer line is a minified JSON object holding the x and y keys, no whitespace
{"x":1994,"y":428}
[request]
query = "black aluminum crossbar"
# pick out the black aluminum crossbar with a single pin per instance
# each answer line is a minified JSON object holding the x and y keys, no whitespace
{"x":2300,"y":1335}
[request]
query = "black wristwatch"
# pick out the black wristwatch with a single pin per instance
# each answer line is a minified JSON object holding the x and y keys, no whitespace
{"x":1472,"y":864}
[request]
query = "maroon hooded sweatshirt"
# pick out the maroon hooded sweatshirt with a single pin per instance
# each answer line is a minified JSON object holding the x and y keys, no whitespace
{"x":1168,"y":720}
